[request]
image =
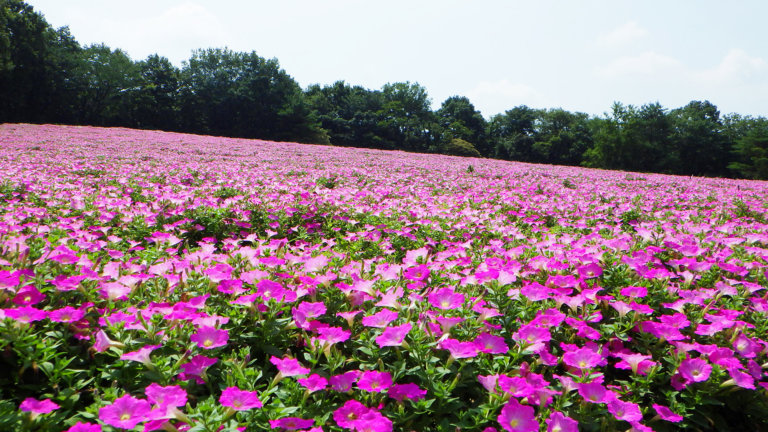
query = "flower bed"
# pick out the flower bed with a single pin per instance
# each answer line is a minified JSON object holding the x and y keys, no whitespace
{"x":160,"y":281}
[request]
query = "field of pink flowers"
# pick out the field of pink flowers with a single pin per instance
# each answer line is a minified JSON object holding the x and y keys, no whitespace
{"x":160,"y":281}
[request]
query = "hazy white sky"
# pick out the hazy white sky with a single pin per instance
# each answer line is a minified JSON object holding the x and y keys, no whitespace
{"x":578,"y":55}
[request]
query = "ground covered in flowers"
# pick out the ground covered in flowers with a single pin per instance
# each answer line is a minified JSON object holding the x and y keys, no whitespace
{"x":159,"y":281}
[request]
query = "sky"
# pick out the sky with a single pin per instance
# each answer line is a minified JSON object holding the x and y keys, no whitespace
{"x":577,"y":55}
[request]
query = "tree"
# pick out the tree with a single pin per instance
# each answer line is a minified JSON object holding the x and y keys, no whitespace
{"x":244,"y":95}
{"x":156,"y":105}
{"x":561,"y":137}
{"x":459,"y":119}
{"x":751,"y":150}
{"x":698,"y":139}
{"x":407,"y":119}
{"x":512,"y":133}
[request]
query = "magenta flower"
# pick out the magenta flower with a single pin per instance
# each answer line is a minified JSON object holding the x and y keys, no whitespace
{"x":28,"y":296}
{"x":695,"y":370}
{"x":170,"y":396}
{"x":557,"y":422}
{"x":460,"y":349}
{"x":195,"y":368}
{"x":626,"y":411}
{"x":593,"y":392}
{"x":142,"y":355}
{"x":634,"y":291}
{"x":418,"y":273}
{"x":312,"y":310}
{"x":446,"y":298}
{"x":313,"y":383}
{"x":372,"y":421}
{"x":638,"y":363}
{"x":410,"y":391}
{"x":84,"y":427}
{"x":489,"y":382}
{"x":515,"y":386}
{"x":380,"y":319}
{"x":347,"y":414}
{"x":26,"y":314}
{"x":210,"y":337}
{"x":333,"y":335}
{"x":288,"y":366}
{"x":66,"y":314}
{"x":746,"y":346}
{"x":491,"y":344}
{"x":667,"y":414}
{"x":582,"y":358}
{"x":515,"y":417}
{"x":343,"y":382}
{"x":393,"y":336}
{"x":239,"y":400}
{"x":374,"y":381}
{"x":532,"y":337}
{"x":125,"y":412}
{"x":291,"y":423}
{"x":35,"y":406}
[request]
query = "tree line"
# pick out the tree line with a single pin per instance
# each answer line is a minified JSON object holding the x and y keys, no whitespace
{"x":46,"y":76}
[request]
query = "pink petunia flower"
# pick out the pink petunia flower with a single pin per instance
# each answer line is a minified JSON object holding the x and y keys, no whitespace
{"x":239,"y":400}
{"x":582,"y":358}
{"x":210,"y":337}
{"x":313,"y":383}
{"x":84,"y":427}
{"x":35,"y":406}
{"x":195,"y":368}
{"x":66,"y":314}
{"x":410,"y":391}
{"x":170,"y":396}
{"x":515,"y":386}
{"x":446,"y":298}
{"x":26,"y":314}
{"x":291,"y":423}
{"x":557,"y":422}
{"x":333,"y":335}
{"x":393,"y":336}
{"x":515,"y":417}
{"x":593,"y":392}
{"x":695,"y":370}
{"x":626,"y":411}
{"x":142,"y":355}
{"x":288,"y":366}
{"x":125,"y":412}
{"x":28,"y":296}
{"x":491,"y":344}
{"x":373,"y":381}
{"x":344,"y":382}
{"x":380,"y":319}
{"x":667,"y":414}
{"x":458,"y":349}
{"x":347,"y":414}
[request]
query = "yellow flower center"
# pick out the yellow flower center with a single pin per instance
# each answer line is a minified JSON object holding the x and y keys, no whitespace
{"x":125,"y":416}
{"x":207,"y":343}
{"x":514,"y":422}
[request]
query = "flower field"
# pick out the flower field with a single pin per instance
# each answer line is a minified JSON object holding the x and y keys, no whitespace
{"x":160,"y":281}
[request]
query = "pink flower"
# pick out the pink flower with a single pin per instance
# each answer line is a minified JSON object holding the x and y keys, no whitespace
{"x":667,"y":414}
{"x":393,"y":336}
{"x":103,"y":342}
{"x":66,"y":314}
{"x":460,"y":349}
{"x":196,"y":367}
{"x":380,"y":319}
{"x":312,"y":310}
{"x":343,"y":382}
{"x":333,"y":335}
{"x":638,"y":363}
{"x":291,"y":423}
{"x":84,"y":427}
{"x":410,"y":391}
{"x":288,"y":366}
{"x":491,"y":344}
{"x":239,"y":400}
{"x":25,"y":314}
{"x":125,"y":412}
{"x":557,"y":422}
{"x":210,"y":337}
{"x":374,"y":381}
{"x":582,"y":358}
{"x":626,"y":411}
{"x":515,"y":386}
{"x":515,"y":417}
{"x":532,"y":337}
{"x":170,"y":396}
{"x":372,"y":421}
{"x":38,"y":406}
{"x":695,"y":370}
{"x":28,"y":296}
{"x":313,"y":383}
{"x":347,"y":414}
{"x":746,"y":346}
{"x":418,"y":273}
{"x":142,"y":355}
{"x":634,"y":291}
{"x":593,"y":392}
{"x":446,"y":298}
{"x":489,"y":382}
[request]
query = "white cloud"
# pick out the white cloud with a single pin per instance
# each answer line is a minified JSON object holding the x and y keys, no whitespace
{"x":649,"y":63}
{"x":623,"y":35}
{"x":493,"y":97}
{"x":735,"y":68}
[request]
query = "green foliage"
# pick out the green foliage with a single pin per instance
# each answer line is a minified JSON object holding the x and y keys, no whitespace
{"x":751,"y":152}
{"x":459,"y":147}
